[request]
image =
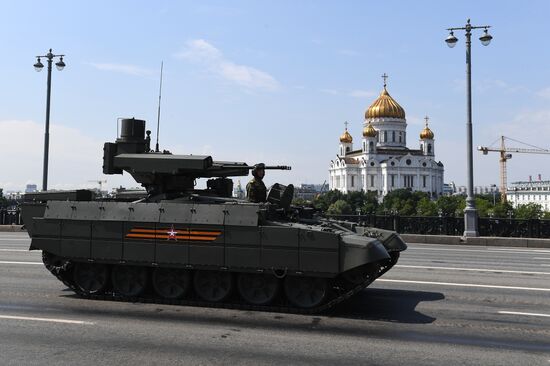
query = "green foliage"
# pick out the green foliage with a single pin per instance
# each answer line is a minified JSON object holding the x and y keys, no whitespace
{"x":323,"y":201}
{"x":451,"y":205}
{"x":529,"y":211}
{"x":300,"y":202}
{"x":426,"y":207}
{"x":402,"y":201}
{"x":340,"y":207}
{"x":407,"y":203}
{"x":502,"y":209}
{"x":367,"y":202}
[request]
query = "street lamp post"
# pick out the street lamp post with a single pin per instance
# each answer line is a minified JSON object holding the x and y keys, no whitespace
{"x":470,"y":212}
{"x":38,"y":66}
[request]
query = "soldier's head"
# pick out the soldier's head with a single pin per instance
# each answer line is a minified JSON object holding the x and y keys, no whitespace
{"x":259,"y":171}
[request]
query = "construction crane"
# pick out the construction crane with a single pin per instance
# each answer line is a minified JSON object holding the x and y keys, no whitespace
{"x":100,"y":182}
{"x":505,"y":155}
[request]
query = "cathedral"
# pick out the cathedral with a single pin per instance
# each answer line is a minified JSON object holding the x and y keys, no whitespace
{"x":383,"y":162}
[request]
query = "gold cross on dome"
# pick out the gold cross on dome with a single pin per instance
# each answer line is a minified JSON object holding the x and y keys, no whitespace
{"x":426,"y":119}
{"x":385,"y":77}
{"x":346,"y":124}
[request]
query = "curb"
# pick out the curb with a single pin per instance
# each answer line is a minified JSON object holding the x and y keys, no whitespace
{"x":11,"y":228}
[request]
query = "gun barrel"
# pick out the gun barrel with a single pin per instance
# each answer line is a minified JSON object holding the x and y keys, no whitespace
{"x":277,"y":167}
{"x":249,"y":167}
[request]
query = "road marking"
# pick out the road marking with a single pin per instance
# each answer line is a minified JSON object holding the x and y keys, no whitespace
{"x":523,"y":250}
{"x":51,"y":320}
{"x":11,"y":262}
{"x":11,"y":239}
{"x":466,"y":285}
{"x":472,"y":269}
{"x":13,"y":250}
{"x":544,"y":258}
{"x":526,"y":314}
{"x":511,"y":251}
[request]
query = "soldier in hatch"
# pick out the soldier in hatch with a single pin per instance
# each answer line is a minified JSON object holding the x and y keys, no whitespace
{"x":255,"y":189}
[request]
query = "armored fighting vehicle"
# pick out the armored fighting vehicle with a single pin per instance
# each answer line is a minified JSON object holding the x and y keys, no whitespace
{"x":178,"y":244}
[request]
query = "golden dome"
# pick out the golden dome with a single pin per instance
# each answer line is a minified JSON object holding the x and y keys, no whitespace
{"x":426,"y":133}
{"x":369,"y":131}
{"x":346,"y":137}
{"x":385,"y":106}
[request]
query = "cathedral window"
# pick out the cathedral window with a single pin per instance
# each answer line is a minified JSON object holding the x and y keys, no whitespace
{"x":400,"y":137}
{"x":371,"y":146}
{"x":385,"y":136}
{"x":392,"y":180}
{"x":429,"y":148}
{"x":424,"y":181}
{"x":353,"y":180}
{"x":372,"y":180}
{"x":347,"y":148}
{"x":393,"y":136}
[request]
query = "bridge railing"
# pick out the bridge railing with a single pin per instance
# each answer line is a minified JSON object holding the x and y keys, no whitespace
{"x":10,"y":216}
{"x":436,"y":225}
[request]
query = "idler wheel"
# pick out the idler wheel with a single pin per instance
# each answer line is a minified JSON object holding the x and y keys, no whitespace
{"x":213,"y":286}
{"x":171,"y":283}
{"x":258,"y":289}
{"x":129,"y":281}
{"x":91,"y":278}
{"x":306,"y":292}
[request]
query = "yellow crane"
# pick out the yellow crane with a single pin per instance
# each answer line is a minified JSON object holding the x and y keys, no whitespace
{"x":506,"y":154}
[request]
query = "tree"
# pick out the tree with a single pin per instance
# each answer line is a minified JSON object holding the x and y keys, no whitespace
{"x":323,"y":201}
{"x":529,"y":211}
{"x":339,"y":207}
{"x":451,"y":205}
{"x":502,"y":209}
{"x":426,"y":207}
{"x":402,"y":201}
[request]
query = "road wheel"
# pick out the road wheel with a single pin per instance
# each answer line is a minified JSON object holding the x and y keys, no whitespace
{"x":171,"y":283}
{"x":129,"y":281}
{"x":258,"y":289}
{"x":306,"y":292}
{"x":213,"y":286}
{"x":91,"y":278}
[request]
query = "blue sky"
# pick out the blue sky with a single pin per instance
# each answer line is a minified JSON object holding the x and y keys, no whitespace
{"x":269,"y":81}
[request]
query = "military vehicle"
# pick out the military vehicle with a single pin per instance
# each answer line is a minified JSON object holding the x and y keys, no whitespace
{"x":179,"y":244}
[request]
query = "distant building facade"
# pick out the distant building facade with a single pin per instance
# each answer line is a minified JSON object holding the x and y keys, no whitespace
{"x":522,"y":193}
{"x":308,"y":191}
{"x":383,"y":162}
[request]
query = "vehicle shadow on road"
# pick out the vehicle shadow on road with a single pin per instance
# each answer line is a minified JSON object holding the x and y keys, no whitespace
{"x":387,"y":305}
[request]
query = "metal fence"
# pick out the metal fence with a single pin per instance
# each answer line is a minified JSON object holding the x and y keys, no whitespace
{"x":10,"y":216}
{"x":435,"y":225}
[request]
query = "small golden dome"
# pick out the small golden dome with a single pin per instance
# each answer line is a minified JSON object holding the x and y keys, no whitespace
{"x":346,"y":137}
{"x":369,"y":131}
{"x":385,"y":106}
{"x":426,"y":133}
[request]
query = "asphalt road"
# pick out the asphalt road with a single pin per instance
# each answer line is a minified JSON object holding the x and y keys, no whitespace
{"x":440,"y":305}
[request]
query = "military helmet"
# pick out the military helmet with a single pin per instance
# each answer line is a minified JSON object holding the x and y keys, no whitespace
{"x":256,"y":168}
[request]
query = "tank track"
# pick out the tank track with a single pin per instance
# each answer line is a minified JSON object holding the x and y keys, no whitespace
{"x":63,"y":272}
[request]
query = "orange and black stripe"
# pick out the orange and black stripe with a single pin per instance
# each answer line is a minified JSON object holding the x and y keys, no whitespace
{"x":173,"y":234}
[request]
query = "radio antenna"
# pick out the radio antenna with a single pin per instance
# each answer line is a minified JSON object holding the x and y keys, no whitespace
{"x":158,"y":114}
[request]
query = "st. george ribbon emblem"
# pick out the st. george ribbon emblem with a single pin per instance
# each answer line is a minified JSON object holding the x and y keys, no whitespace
{"x":172,"y":234}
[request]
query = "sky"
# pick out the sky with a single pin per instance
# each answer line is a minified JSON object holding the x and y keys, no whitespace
{"x":267,"y":81}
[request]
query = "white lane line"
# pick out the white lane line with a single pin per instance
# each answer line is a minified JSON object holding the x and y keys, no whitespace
{"x":473,"y":250}
{"x":14,"y":250}
{"x":466,"y":285}
{"x":12,"y":262}
{"x":522,"y":250}
{"x":51,"y":320}
{"x":11,"y":239}
{"x":526,"y":314}
{"x":472,"y":269}
{"x":543,"y":258}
